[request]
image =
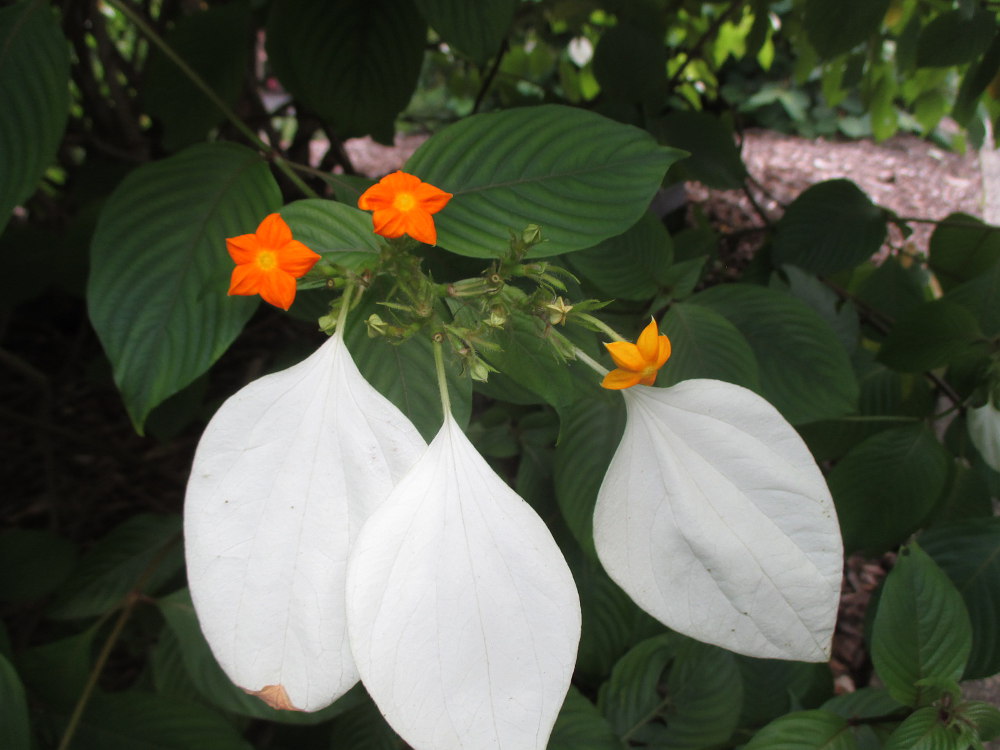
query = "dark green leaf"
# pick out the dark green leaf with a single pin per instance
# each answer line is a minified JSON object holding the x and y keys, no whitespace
{"x":840,"y":315}
{"x":33,"y":563}
{"x":832,"y":226}
{"x":580,"y":726}
{"x":342,"y":234}
{"x":631,"y":265}
{"x":804,"y":370}
{"x":963,"y":248}
{"x":630,"y":696}
{"x":805,"y":730}
{"x":892,"y":289}
{"x":984,"y":717}
{"x":955,"y":38}
{"x":477,"y":29}
{"x":837,"y":27}
{"x":980,"y":295}
{"x":160,"y":270}
{"x":714,"y":160}
{"x":15,"y":728}
{"x":589,"y":435}
{"x":921,"y":628}
{"x":581,"y":177}
{"x":830,"y":440}
{"x":924,"y":729}
{"x":140,"y":555}
{"x":354,"y":62}
{"x":969,"y":552}
{"x":974,"y":83}
{"x":34,"y":75}
{"x":863,"y":704}
{"x":931,"y":335}
{"x":886,"y":486}
{"x":771,"y":687}
{"x":706,"y":345}
{"x":363,"y":728}
{"x":214,"y":43}
{"x":630,"y":64}
{"x":70,"y":658}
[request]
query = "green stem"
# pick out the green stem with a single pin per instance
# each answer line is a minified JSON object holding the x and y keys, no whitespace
{"x":279,"y":161}
{"x":442,"y":379}
{"x":345,"y":305}
{"x":604,"y":327}
{"x":593,"y":365}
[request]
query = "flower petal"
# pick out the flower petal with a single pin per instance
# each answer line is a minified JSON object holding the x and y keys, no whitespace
{"x":278,"y":288}
{"x":648,"y":343}
{"x":274,"y":232}
{"x":420,"y":226}
{"x":246,"y":279}
{"x":663,"y":353}
{"x":715,"y":519}
{"x":463,"y":615}
{"x":296,"y":259}
{"x":626,"y":355}
{"x":244,"y":248}
{"x":616,"y":380}
{"x":284,"y":476}
{"x":984,"y":429}
{"x":389,"y":222}
{"x":432,"y":199}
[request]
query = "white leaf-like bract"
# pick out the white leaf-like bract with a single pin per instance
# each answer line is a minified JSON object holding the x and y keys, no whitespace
{"x":463,"y":615}
{"x":984,"y":429}
{"x":284,"y":477}
{"x":715,"y":519}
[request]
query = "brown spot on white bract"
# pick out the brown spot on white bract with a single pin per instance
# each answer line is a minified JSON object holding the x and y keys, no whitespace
{"x":275,"y":696}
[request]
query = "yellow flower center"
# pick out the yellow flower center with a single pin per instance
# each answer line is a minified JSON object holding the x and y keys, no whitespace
{"x":404,"y":202}
{"x":267,"y":260}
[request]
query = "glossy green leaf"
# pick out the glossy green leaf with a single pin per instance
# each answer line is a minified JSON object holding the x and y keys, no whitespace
{"x":589,"y":435}
{"x":804,"y":370}
{"x":342,"y":234}
{"x":630,"y":697}
{"x":921,"y":628}
{"x":211,"y":682}
{"x":142,"y":554}
{"x":580,"y":726}
{"x":931,"y":335}
{"x":831,"y":226}
{"x":924,"y":729}
{"x":477,"y":29}
{"x":955,"y":38}
{"x":714,"y":160}
{"x":355,"y":62}
{"x":34,"y":75}
{"x":887,"y":485}
{"x":15,"y":727}
{"x":706,"y":345}
{"x":962,"y":248}
{"x":581,"y":177}
{"x":213,"y":42}
{"x":632,"y":265}
{"x":33,"y":563}
{"x":969,"y":552}
{"x":835,"y":28}
{"x":160,"y":270}
{"x":805,"y":730}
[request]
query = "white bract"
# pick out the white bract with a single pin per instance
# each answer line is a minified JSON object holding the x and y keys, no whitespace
{"x":715,"y":519}
{"x":984,"y":429}
{"x":463,"y":615}
{"x":284,"y":477}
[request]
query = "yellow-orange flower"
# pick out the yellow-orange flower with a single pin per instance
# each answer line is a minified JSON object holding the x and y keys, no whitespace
{"x":402,"y":204}
{"x":640,"y":362}
{"x":268,"y":262}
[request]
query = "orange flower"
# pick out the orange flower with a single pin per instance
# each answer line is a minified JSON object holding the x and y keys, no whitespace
{"x":402,"y":204}
{"x":268,"y":262}
{"x":640,"y":362}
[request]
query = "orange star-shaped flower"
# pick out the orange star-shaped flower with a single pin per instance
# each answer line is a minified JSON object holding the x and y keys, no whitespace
{"x":640,"y":362}
{"x":402,"y":204}
{"x":268,"y":262}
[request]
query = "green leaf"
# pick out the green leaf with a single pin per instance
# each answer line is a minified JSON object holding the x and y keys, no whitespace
{"x":805,"y":730}
{"x":214,"y":43}
{"x":771,"y":687}
{"x":69,"y":657}
{"x":363,"y":728}
{"x":15,"y":728}
{"x":921,"y":628}
{"x":974,"y":83}
{"x":955,"y":38}
{"x":931,"y":335}
{"x":630,"y":64}
{"x":887,"y":485}
{"x":841,"y":316}
{"x":140,"y":555}
{"x":34,"y":75}
{"x":832,"y":226}
{"x":714,"y":160}
{"x":630,"y":696}
{"x":804,"y":370}
{"x":477,"y":29}
{"x":342,"y":234}
{"x":581,"y":177}
{"x":580,"y":726}
{"x":706,"y":345}
{"x":160,"y":270}
{"x":631,"y":265}
{"x":837,"y":27}
{"x":983,"y":716}
{"x":33,"y":563}
{"x":211,"y":682}
{"x":589,"y":435}
{"x":924,"y":730}
{"x":892,"y":289}
{"x":962,"y":248}
{"x":355,"y":63}
{"x":980,"y":296}
{"x":865,"y":703}
{"x":969,"y":553}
